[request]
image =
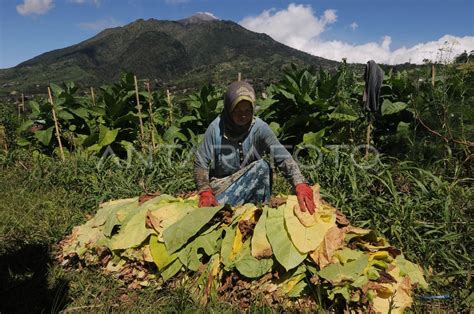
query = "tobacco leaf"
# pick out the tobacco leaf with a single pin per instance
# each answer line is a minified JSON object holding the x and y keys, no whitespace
{"x":190,"y":256}
{"x":132,"y":233}
{"x":259,"y":243}
{"x":249,"y":266}
{"x":411,"y":270}
{"x":159,"y":253}
{"x":333,"y":240}
{"x":178,"y":234}
{"x":283,"y":248}
{"x":336,"y":273}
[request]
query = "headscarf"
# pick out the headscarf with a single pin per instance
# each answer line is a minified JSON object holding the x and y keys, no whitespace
{"x":236,"y":92}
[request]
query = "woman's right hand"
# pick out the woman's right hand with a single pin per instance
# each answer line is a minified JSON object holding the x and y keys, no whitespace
{"x":207,"y":199}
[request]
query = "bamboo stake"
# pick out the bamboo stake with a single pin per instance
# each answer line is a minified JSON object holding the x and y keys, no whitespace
{"x":168,"y":96}
{"x":93,"y":96}
{"x":139,"y":107}
{"x":150,"y":110}
{"x":56,"y":124}
{"x":433,"y":74}
{"x":239,"y":77}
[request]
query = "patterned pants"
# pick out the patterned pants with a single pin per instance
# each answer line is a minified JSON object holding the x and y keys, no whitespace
{"x":251,"y":184}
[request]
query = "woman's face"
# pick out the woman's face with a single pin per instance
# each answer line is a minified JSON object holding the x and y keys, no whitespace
{"x":242,"y":113}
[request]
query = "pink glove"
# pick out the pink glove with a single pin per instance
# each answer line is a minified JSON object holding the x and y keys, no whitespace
{"x":305,"y":198}
{"x":207,"y":199}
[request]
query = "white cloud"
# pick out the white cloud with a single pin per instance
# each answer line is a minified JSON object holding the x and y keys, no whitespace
{"x":30,"y":7}
{"x":354,"y":25}
{"x":299,"y":27}
{"x":293,"y":26}
{"x":80,"y":2}
{"x":100,"y":24}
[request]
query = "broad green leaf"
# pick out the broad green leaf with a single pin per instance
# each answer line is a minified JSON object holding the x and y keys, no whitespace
{"x":171,"y":270}
{"x":162,"y":215}
{"x":249,"y":266}
{"x":56,"y":89}
{"x":107,"y":136}
{"x":190,"y":256}
{"x":389,"y":108}
{"x":180,"y":232}
{"x":112,"y":216}
{"x":346,"y":254}
{"x":336,"y":272}
{"x":64,"y":115}
{"x":133,"y":232}
{"x":284,"y":250}
{"x":159,"y":253}
{"x":275,"y":128}
{"x":315,"y":139}
{"x":227,"y":243}
{"x":108,"y":209}
{"x":260,"y":245}
{"x":411,"y":270}
{"x":343,"y":112}
{"x":304,"y":238}
{"x":44,"y":136}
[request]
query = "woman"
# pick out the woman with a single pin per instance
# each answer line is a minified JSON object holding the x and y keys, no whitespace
{"x":229,"y":168}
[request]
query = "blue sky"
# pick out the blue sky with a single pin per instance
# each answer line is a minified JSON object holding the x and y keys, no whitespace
{"x":389,"y":31}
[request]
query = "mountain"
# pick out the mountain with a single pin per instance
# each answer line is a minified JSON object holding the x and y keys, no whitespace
{"x":190,"y":52}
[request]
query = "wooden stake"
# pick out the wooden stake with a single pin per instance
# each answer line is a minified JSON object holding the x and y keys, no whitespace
{"x":433,"y":74}
{"x":239,"y":77}
{"x":56,"y":125}
{"x":139,"y":107}
{"x":168,"y":96}
{"x":93,"y":96}
{"x":150,"y":110}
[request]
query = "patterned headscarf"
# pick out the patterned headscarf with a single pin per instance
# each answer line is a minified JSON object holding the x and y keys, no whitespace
{"x":236,"y":92}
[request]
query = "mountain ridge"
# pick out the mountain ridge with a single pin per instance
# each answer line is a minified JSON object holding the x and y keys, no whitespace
{"x":192,"y":51}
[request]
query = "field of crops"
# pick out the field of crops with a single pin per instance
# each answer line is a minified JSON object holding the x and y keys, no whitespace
{"x":68,"y":153}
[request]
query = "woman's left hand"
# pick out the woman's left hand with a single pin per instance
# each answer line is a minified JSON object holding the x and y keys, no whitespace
{"x":305,"y":198}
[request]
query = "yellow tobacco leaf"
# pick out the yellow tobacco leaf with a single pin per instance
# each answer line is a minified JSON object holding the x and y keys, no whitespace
{"x":399,"y":298}
{"x":332,"y":241}
{"x":260,"y":245}
{"x":304,"y":238}
{"x":237,"y":245}
{"x":308,"y":219}
{"x":379,"y":255}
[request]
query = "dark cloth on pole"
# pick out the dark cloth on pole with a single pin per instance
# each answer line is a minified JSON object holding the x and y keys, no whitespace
{"x":373,"y":77}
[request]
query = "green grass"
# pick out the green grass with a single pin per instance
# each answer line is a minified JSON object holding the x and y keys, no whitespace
{"x":41,"y":199}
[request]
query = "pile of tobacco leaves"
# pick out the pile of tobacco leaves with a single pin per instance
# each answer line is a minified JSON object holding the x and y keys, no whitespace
{"x":276,"y":253}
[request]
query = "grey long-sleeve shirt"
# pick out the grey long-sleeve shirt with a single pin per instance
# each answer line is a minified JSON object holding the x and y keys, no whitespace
{"x":219,"y":157}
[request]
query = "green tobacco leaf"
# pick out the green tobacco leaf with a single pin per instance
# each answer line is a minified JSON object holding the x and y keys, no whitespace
{"x":190,"y":256}
{"x":315,"y":139}
{"x":133,"y":231}
{"x":226,"y":246}
{"x":249,"y":266}
{"x":336,"y":272}
{"x":180,"y":232}
{"x":343,"y":112}
{"x":107,"y":210}
{"x":389,"y":107}
{"x":160,"y":254}
{"x":284,"y":250}
{"x":44,"y":136}
{"x":411,"y":270}
{"x":112,"y":219}
{"x":346,"y":255}
{"x":171,"y":270}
